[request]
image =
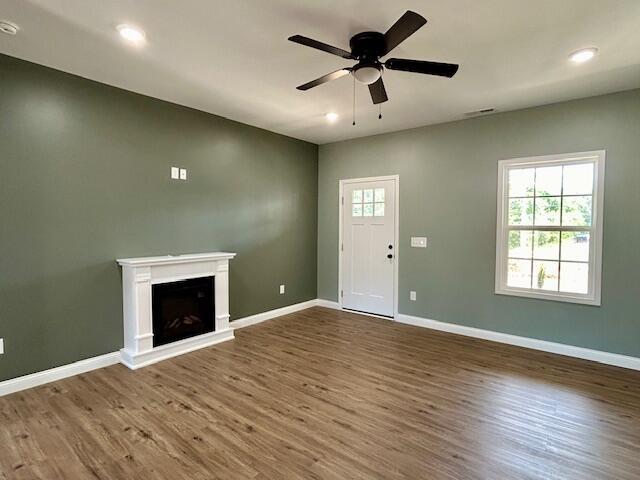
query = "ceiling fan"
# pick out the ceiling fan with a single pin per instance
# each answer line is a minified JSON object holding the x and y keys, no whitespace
{"x":368,"y":47}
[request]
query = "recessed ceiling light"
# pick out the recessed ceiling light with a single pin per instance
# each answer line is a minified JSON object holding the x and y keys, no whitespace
{"x":8,"y":28}
{"x":583,"y":55}
{"x":131,"y":34}
{"x":331,"y":116}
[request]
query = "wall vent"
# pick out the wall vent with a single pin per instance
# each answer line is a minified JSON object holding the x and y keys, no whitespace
{"x":484,"y":111}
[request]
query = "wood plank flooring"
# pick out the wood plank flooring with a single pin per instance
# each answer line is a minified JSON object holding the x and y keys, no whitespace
{"x":322,"y":394}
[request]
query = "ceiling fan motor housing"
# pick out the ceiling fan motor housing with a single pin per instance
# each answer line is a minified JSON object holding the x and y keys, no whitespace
{"x":367,"y":46}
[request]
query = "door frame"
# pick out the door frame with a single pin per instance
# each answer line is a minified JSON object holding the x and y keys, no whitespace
{"x":396,"y":234}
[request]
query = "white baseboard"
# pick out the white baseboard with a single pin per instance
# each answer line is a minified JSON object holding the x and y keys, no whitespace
{"x":278,"y":312}
{"x":40,"y":378}
{"x":615,"y":359}
{"x":328,"y":304}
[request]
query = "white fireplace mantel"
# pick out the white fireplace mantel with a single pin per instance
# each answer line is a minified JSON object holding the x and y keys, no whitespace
{"x":138,"y":276}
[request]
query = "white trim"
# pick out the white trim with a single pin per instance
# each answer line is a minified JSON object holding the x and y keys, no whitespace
{"x":58,"y":373}
{"x":342,"y":183}
{"x":278,"y":312}
{"x":143,"y":359}
{"x":595,"y":254}
{"x":618,"y":360}
{"x":321,"y":302}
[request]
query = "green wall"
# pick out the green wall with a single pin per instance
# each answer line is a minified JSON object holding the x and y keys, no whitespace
{"x":84,"y":179}
{"x":448,"y":177}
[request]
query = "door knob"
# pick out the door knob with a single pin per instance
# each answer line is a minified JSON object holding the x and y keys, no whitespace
{"x":389,"y":256}
{"x":390,"y":247}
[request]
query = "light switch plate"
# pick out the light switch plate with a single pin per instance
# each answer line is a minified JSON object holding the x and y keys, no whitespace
{"x":183,"y":174}
{"x":419,"y":242}
{"x":412,"y":296}
{"x":175,"y":173}
{"x":1,"y":346}
{"x":281,"y":289}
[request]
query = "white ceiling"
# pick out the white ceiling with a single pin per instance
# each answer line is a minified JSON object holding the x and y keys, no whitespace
{"x":232,"y":57}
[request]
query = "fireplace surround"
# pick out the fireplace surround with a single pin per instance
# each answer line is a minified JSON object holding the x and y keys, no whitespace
{"x":144,"y":279}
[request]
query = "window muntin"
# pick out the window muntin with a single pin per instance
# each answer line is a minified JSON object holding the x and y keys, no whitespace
{"x":549,"y":227}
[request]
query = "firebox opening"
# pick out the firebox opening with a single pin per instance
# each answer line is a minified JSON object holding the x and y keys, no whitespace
{"x":182,"y":309}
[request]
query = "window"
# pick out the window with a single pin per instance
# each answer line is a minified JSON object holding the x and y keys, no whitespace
{"x":368,"y":203}
{"x":549,"y":235}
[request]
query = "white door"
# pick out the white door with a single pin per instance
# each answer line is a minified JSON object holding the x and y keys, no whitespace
{"x":369,"y":246}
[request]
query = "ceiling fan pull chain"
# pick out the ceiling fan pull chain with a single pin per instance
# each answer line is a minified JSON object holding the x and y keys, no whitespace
{"x":354,"y":100}
{"x":380,"y":111}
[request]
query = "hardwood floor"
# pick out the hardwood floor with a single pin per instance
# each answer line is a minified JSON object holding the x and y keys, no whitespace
{"x":332,"y":395}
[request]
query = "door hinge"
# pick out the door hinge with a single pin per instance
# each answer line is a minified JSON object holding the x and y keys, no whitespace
{"x":342,"y":200}
{"x":342,"y":247}
{"x":341,"y":293}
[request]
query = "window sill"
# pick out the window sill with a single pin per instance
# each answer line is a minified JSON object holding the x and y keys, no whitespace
{"x":566,"y":298}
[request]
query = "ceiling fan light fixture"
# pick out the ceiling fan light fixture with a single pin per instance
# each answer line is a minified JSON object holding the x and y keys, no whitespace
{"x":367,"y":74}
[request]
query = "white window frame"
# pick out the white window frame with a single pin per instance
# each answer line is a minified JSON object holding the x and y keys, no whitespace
{"x":593,"y":297}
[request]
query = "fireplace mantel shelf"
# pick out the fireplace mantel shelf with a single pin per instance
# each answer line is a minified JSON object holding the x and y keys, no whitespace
{"x":175,"y":259}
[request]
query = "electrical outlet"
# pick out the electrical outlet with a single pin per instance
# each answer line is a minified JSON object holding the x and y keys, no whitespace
{"x":183,"y":174}
{"x":281,"y":289}
{"x":175,"y":173}
{"x":412,"y":296}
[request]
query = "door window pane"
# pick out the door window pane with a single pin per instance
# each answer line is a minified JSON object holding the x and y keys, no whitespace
{"x":368,"y":209}
{"x":546,"y":245}
{"x":378,"y":210}
{"x":521,"y":211}
{"x":547,"y":211}
{"x":578,"y":179}
{"x":548,"y":181}
{"x":368,"y":195}
{"x":356,"y":196}
{"x":545,"y":275}
{"x":379,"y":195}
{"x":520,"y":243}
{"x":521,"y":182}
{"x":356,"y":210}
{"x":576,"y":211}
{"x":575,"y":246}
{"x":574,"y":277}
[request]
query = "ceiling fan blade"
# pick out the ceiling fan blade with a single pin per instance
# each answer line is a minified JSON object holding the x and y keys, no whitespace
{"x":325,"y":78}
{"x":420,"y":66}
{"x":406,"y":26}
{"x":309,"y":42}
{"x":378,"y":92}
